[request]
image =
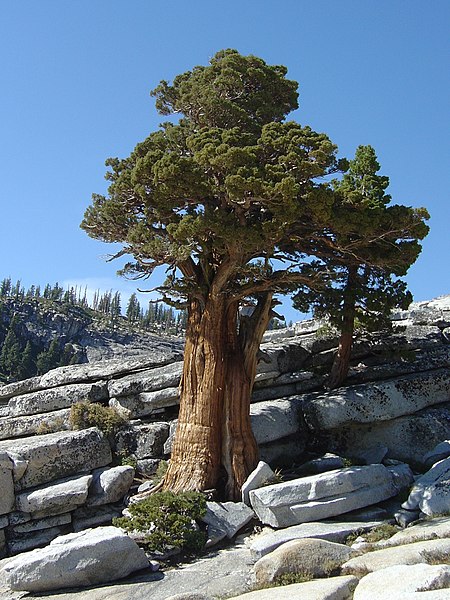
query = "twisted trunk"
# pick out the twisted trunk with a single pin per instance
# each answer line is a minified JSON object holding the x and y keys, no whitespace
{"x":214,"y":435}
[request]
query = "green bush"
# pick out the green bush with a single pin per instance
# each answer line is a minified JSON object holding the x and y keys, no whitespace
{"x":381,"y":532}
{"x":290,"y":578}
{"x":123,"y":458}
{"x":86,"y":414}
{"x":168,"y":521}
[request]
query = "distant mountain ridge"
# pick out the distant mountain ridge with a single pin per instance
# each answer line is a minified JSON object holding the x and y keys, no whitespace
{"x":38,"y":334}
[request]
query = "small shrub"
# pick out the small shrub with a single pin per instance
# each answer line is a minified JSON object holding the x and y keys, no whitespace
{"x":168,"y":521}
{"x":350,"y":462}
{"x":352,"y":537}
{"x":382,"y":532}
{"x":124,"y":459}
{"x":289,"y":578}
{"x":43,"y":428}
{"x":277,"y":477}
{"x":284,"y":579}
{"x":436,"y":557}
{"x":86,"y":414}
{"x":50,"y":427}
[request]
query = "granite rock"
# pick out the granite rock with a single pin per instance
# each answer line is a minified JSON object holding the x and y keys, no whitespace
{"x":56,"y":455}
{"x":86,"y":558}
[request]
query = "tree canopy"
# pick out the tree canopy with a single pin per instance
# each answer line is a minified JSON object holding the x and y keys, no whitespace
{"x":224,"y":187}
{"x":238,"y":203}
{"x":380,"y":243}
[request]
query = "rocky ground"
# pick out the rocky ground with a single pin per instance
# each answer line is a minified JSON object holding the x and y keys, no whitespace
{"x":389,"y":430}
{"x":412,"y":563}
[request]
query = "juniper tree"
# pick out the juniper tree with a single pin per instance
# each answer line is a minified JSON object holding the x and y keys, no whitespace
{"x":234,"y":201}
{"x":375,"y":244}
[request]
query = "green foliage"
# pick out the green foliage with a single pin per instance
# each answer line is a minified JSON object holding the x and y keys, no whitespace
{"x":233,"y":183}
{"x":123,"y":458}
{"x":86,"y":414}
{"x":277,"y":477}
{"x":50,"y":427}
{"x":290,"y":578}
{"x":49,"y":359}
{"x":133,"y":312}
{"x":233,"y":91}
{"x":374,"y":244}
{"x":160,"y":472}
{"x":228,"y":184}
{"x":285,"y":579}
{"x":326,"y":330}
{"x":21,"y":357}
{"x":168,"y":520}
{"x":435,"y":557}
{"x":349,"y":462}
{"x":26,"y":367}
{"x":10,"y":357}
{"x":382,"y":532}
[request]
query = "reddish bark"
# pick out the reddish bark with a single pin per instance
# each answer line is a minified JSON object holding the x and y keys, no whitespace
{"x":214,"y":434}
{"x":341,"y":363}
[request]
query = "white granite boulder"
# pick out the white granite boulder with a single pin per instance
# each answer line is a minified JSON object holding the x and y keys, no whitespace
{"x":146,"y":403}
{"x":429,"y":551}
{"x":143,"y":441}
{"x":431,"y":492}
{"x":334,"y":588}
{"x":18,"y":544}
{"x":58,"y":455}
{"x":81,"y":559}
{"x":407,"y":438}
{"x":438,"y":453}
{"x":321,"y":464}
{"x":275,"y":419}
{"x":423,"y":530}
{"x":402,"y":582}
{"x":326,"y":495}
{"x":6,"y":484}
{"x":327,"y":530}
{"x":38,"y":532}
{"x":12,"y":427}
{"x":167,"y":376}
{"x":308,"y":557}
{"x":380,"y":401}
{"x":109,"y":485}
{"x":44,"y":401}
{"x":261,"y":475}
{"x":107,"y":369}
{"x":56,"y":496}
{"x":225,"y":519}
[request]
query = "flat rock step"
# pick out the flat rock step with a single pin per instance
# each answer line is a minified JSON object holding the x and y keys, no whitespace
{"x":333,"y":532}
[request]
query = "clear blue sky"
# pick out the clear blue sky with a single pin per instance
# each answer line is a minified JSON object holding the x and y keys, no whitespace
{"x":75,"y":81}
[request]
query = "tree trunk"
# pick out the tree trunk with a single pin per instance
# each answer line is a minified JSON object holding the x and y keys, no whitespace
{"x":195,"y":460}
{"x":341,"y":363}
{"x":239,"y":447}
{"x":214,"y":434}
